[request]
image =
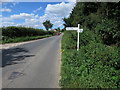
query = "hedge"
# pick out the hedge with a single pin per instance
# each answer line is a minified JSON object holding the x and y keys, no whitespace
{"x":95,"y":65}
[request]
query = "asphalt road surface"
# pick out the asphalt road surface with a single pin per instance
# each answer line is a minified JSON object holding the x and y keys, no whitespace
{"x":32,"y":65}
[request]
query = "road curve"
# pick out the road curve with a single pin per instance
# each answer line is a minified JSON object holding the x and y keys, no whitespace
{"x":32,"y":65}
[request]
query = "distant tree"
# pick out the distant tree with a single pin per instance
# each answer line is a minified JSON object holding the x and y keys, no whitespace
{"x":51,"y":25}
{"x":58,"y":29}
{"x":47,"y":24}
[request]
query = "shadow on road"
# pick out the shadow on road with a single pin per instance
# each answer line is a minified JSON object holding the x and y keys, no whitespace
{"x":14,"y":56}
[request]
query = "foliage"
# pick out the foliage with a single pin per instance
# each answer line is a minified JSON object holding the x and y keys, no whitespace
{"x":70,"y":39}
{"x":85,"y":38}
{"x":93,"y":15}
{"x":63,"y":29}
{"x":108,"y":31}
{"x":58,"y":29}
{"x":95,"y":65}
{"x":12,"y":33}
{"x":21,"y":39}
{"x":47,"y":24}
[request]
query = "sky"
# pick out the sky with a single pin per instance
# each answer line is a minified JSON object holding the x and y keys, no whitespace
{"x":33,"y":14}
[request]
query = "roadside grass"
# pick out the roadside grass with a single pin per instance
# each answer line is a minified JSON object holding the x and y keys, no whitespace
{"x":22,"y":39}
{"x":95,"y":65}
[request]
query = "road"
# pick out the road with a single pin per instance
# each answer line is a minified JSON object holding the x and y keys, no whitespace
{"x":32,"y":65}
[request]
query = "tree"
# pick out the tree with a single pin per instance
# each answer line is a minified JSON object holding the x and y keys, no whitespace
{"x":51,"y":25}
{"x":58,"y":29}
{"x":47,"y":24}
{"x":102,"y":18}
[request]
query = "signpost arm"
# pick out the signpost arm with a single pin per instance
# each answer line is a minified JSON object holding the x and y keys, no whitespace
{"x":78,"y":38}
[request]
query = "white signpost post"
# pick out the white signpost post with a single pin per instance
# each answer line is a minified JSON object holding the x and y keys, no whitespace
{"x":78,"y":30}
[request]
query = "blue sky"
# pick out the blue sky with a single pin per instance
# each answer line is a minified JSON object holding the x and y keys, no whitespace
{"x":33,"y":14}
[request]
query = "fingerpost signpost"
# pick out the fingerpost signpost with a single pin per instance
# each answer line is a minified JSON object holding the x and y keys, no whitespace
{"x":78,"y":30}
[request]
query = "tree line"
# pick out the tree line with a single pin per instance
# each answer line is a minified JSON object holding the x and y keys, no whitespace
{"x":101,"y":18}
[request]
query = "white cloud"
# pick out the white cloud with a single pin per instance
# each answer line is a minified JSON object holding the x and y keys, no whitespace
{"x":71,"y":0}
{"x":36,"y":16}
{"x":6,"y":10}
{"x":37,"y":9}
{"x":20,"y":16}
{"x":14,"y":4}
{"x":33,"y":22}
{"x":56,"y":12}
{"x":7,"y":23}
{"x":60,"y":25}
{"x":53,"y":12}
{"x":62,"y":9}
{"x":10,"y":23}
{"x":29,"y":19}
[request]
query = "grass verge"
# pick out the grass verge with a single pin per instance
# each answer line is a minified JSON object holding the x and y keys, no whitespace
{"x":22,"y":39}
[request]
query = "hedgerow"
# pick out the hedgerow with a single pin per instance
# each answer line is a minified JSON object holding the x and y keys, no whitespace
{"x":13,"y":31}
{"x":95,"y":65}
{"x":18,"y":34}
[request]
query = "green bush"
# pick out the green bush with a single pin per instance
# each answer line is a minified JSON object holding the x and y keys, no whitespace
{"x":87,"y":36}
{"x":69,"y":40}
{"x":95,"y":65}
{"x":108,"y":31}
{"x":13,"y":32}
{"x":19,"y":34}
